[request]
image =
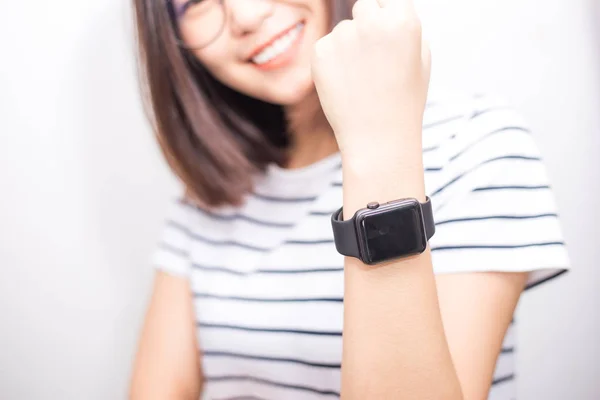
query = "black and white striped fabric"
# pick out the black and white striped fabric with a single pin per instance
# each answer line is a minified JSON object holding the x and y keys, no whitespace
{"x":268,"y":283}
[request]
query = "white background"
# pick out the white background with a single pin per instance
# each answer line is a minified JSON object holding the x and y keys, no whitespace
{"x":83,"y":188}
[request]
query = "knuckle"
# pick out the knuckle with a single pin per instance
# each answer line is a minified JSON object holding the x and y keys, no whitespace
{"x":370,"y":21}
{"x":341,"y":27}
{"x":385,"y":26}
{"x":357,"y":7}
{"x":411,"y":25}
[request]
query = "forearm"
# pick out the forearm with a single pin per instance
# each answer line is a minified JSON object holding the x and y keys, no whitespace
{"x":394,"y":342}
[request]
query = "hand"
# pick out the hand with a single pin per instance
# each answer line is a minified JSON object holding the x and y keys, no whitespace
{"x":372,"y":76}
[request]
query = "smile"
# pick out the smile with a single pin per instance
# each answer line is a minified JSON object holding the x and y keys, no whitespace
{"x":282,"y":48}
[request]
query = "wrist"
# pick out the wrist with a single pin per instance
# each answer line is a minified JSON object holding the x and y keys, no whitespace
{"x":376,"y":135}
{"x":393,"y":160}
{"x":390,"y":176}
{"x":366,"y":146}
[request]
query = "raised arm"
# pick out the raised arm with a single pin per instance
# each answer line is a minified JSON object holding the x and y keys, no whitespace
{"x":372,"y":75}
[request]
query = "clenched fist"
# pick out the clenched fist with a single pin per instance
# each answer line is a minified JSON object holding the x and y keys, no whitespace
{"x":372,"y":75}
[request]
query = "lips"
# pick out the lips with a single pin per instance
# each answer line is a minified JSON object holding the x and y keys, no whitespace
{"x":277,"y":38}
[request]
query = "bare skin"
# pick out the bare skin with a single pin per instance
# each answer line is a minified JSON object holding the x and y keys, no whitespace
{"x":407,"y":333}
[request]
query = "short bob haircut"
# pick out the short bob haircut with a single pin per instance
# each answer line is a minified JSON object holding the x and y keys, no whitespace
{"x":214,"y":138}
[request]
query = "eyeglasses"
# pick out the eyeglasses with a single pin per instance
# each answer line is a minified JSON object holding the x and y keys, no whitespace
{"x":198,"y":22}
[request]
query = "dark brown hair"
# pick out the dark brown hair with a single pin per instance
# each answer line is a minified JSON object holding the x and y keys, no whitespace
{"x":214,"y":138}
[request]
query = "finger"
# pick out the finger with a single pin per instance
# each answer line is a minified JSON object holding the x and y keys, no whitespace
{"x":405,"y":6}
{"x":344,"y":25}
{"x":365,"y":8}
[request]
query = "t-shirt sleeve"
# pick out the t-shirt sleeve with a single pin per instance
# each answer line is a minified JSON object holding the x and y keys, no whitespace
{"x":172,"y":254}
{"x":493,"y":203}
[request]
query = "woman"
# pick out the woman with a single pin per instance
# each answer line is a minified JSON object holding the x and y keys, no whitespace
{"x":263,"y":111}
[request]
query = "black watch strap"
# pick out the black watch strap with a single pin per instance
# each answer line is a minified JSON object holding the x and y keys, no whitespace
{"x":344,"y":232}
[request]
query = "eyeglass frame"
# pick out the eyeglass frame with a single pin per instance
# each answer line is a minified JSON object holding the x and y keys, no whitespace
{"x":175,"y":15}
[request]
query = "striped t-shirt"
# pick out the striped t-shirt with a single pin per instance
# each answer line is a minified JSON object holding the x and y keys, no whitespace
{"x":267,"y":281}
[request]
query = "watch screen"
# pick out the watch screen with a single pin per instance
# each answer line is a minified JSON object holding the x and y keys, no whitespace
{"x":393,"y":233}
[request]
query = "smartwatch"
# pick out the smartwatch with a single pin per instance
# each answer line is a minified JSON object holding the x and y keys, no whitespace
{"x":384,"y":232}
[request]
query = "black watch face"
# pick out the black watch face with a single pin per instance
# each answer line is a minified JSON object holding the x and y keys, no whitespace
{"x":393,"y":233}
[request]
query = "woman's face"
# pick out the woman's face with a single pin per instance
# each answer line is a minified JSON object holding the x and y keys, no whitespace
{"x":261,"y":48}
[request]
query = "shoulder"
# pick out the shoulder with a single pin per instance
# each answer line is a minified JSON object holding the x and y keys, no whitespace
{"x":466,"y":117}
{"x":493,"y":201}
{"x":463,"y":130}
{"x":478,"y":141}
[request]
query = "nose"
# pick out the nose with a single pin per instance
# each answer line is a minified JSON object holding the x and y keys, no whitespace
{"x":246,"y":16}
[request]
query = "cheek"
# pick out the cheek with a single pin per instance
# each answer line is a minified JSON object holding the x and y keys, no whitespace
{"x":217,"y":60}
{"x":213,"y":57}
{"x":219,"y":64}
{"x":230,"y":73}
{"x":323,"y":10}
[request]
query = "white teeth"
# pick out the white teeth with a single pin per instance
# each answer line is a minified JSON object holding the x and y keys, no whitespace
{"x":279,"y":46}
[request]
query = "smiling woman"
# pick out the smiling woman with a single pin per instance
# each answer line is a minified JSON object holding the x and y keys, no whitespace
{"x":273,"y":119}
{"x":197,"y":115}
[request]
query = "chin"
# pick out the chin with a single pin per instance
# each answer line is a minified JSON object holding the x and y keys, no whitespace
{"x":288,"y":91}
{"x":290,"y":96}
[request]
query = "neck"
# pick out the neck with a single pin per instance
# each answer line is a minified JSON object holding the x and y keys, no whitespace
{"x":312,"y":138}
